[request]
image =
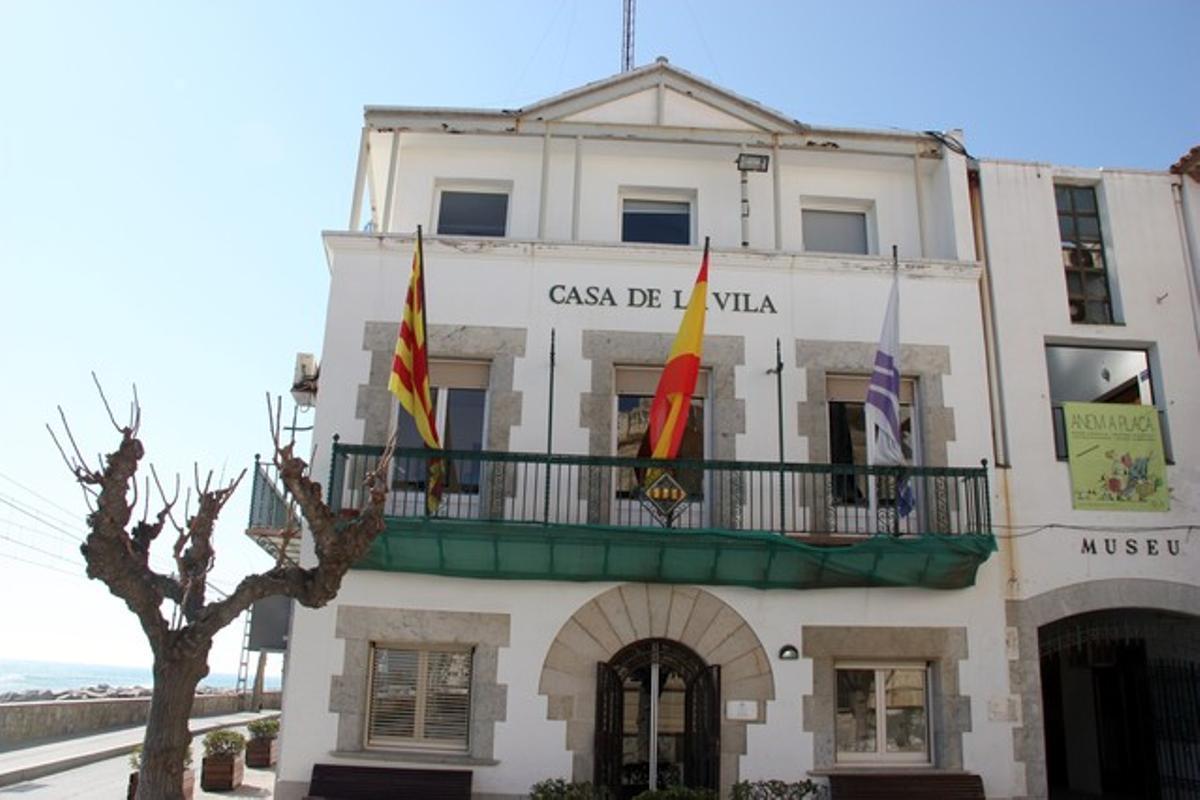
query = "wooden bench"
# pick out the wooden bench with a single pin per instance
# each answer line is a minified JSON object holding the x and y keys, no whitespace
{"x":346,"y":782}
{"x":891,"y":785}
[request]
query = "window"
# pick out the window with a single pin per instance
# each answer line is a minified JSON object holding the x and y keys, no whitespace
{"x":848,"y":443}
{"x":635,"y":393}
{"x":472,"y":213}
{"x":459,"y":391}
{"x":882,"y":713}
{"x":1098,"y":375}
{"x":1083,"y":254}
{"x":662,"y":221}
{"x":834,"y":231}
{"x":419,"y":697}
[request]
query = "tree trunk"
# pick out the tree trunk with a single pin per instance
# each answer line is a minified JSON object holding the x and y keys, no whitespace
{"x":256,"y":699}
{"x":167,"y":736}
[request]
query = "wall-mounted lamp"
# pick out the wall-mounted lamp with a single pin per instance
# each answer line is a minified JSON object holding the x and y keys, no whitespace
{"x":753,"y":162}
{"x":789,"y":653}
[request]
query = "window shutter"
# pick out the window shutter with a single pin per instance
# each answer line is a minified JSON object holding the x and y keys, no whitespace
{"x":644,"y":380}
{"x":834,"y":231}
{"x":458,"y":374}
{"x":394,"y":679}
{"x":448,"y":699}
{"x":633,"y":206}
{"x":420,"y":698}
{"x":853,"y":389}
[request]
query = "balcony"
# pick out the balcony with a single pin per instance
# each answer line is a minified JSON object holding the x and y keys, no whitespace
{"x":274,"y":524}
{"x":527,"y":516}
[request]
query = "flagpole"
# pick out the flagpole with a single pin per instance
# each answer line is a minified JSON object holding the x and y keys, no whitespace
{"x":425,"y":338}
{"x":424,"y":307}
{"x":549,"y":432}
{"x":896,"y":489}
{"x":778,"y":371}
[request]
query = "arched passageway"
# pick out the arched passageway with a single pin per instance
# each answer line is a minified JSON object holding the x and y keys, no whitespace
{"x":1121,"y":700}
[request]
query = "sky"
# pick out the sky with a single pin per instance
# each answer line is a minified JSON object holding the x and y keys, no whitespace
{"x":166,"y":170}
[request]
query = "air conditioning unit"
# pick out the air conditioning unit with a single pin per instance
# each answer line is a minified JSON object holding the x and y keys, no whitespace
{"x":304,"y":380}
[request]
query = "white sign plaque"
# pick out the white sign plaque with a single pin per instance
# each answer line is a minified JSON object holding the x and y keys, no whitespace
{"x":745,"y":710}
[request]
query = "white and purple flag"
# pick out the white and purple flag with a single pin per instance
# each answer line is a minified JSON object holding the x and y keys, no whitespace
{"x":883,"y":402}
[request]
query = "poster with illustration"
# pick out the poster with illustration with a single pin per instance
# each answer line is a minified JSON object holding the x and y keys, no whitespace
{"x":1116,"y":457}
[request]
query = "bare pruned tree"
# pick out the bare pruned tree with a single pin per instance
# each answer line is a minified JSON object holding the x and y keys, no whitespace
{"x":117,"y":552}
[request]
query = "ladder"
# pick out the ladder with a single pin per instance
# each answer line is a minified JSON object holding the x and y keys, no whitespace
{"x":243,"y":674}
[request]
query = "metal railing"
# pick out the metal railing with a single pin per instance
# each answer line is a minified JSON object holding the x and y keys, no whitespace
{"x":268,"y":507}
{"x":576,"y":490}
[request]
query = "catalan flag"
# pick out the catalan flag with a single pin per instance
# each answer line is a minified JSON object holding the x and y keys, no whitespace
{"x":410,"y":376}
{"x":673,"y":397}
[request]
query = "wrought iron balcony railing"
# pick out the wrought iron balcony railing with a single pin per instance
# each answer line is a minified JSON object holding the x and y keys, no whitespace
{"x":268,"y":506}
{"x":587,"y":491}
{"x":274,"y":524}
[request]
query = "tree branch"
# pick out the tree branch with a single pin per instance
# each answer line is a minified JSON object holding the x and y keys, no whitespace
{"x":118,"y":553}
{"x":118,"y":558}
{"x":108,"y":408}
{"x":197,"y":560}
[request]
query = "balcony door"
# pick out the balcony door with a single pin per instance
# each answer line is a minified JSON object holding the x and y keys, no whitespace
{"x":861,"y":503}
{"x":657,"y":720}
{"x":459,"y":390}
{"x":635,"y":392}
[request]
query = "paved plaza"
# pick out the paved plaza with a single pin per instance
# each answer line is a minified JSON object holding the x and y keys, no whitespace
{"x":97,"y":767}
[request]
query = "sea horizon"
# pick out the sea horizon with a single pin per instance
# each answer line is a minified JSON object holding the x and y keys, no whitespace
{"x":23,"y":675}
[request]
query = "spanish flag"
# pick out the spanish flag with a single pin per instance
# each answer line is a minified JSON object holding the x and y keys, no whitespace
{"x":673,"y":397}
{"x":410,"y":375}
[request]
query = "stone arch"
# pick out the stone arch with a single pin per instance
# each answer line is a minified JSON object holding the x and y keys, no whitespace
{"x":632,"y":612}
{"x":1025,"y":617}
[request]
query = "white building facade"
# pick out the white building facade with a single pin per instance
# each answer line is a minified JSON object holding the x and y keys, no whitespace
{"x":1093,"y":282}
{"x":784,"y":621}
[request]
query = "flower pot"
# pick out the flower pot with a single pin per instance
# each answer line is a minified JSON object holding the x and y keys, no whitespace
{"x":189,"y":784}
{"x":262,"y":753}
{"x":221,"y":773}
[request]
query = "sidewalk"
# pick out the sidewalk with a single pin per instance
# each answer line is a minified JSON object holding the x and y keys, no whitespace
{"x":28,"y":763}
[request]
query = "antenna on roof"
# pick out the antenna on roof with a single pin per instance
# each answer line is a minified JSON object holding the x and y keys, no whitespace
{"x":627,"y":36}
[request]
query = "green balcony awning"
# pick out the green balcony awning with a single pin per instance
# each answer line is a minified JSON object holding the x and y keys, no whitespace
{"x":762,"y":560}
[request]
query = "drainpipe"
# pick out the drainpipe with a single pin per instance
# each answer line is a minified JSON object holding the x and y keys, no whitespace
{"x":991,"y":352}
{"x":991,"y":346}
{"x":1186,"y":236}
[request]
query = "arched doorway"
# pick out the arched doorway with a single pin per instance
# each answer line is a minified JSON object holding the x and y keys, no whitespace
{"x":658,"y":719}
{"x":1121,"y":700}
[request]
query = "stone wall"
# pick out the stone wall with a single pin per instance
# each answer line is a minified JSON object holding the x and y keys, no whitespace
{"x":29,"y":723}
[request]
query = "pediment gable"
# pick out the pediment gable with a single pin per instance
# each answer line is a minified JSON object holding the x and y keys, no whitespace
{"x":659,"y":95}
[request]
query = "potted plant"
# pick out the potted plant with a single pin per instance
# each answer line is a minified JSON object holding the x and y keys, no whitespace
{"x":223,"y":766}
{"x":263,"y":748}
{"x":773,"y":790}
{"x":560,"y":789}
{"x":135,"y":764}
